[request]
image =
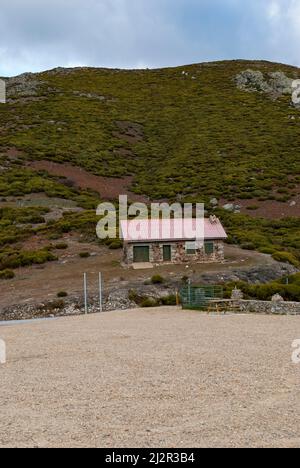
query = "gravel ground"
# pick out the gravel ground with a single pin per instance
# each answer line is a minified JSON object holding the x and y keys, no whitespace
{"x":151,"y":378}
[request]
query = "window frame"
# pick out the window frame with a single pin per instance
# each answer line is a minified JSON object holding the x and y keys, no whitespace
{"x":190,"y":250}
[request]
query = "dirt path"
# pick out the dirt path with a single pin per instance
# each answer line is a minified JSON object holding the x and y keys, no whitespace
{"x":42,"y":283}
{"x":151,"y":378}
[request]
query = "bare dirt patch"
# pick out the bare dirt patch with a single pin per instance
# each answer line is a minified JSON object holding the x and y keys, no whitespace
{"x":151,"y":378}
{"x":14,"y":153}
{"x":108,"y":188}
{"x":269,"y":209}
{"x":129,"y":131}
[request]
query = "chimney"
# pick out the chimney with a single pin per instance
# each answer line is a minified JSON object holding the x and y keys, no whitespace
{"x":213,"y":219}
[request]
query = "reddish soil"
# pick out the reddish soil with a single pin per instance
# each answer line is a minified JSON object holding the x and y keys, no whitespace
{"x":109,"y":188}
{"x":14,"y":153}
{"x":270,"y":209}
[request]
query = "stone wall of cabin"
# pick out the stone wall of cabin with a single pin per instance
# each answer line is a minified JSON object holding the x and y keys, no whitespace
{"x":178,"y":253}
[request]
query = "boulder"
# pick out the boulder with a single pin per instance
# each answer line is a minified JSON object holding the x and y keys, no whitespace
{"x":275,"y":84}
{"x":277,"y":298}
{"x":237,"y":295}
{"x":229,"y":207}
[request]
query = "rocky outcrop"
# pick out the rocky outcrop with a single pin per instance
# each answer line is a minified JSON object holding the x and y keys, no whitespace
{"x":129,"y":297}
{"x":232,"y":207}
{"x":117,"y":300}
{"x":25,"y":85}
{"x":98,"y":97}
{"x":274,"y":84}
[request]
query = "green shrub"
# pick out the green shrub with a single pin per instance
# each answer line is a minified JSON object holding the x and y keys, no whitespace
{"x":115,"y":245}
{"x":7,"y":274}
{"x":62,"y":294}
{"x":267,"y":250}
{"x":84,"y":255}
{"x":53,"y":236}
{"x":65,"y":227}
{"x":286,"y":257}
{"x":169,"y":301}
{"x":288,"y":287}
{"x":149,"y":302}
{"x":17,"y":258}
{"x":157,"y":279}
{"x":133,"y":296}
{"x":61,"y":246}
{"x":248,"y":246}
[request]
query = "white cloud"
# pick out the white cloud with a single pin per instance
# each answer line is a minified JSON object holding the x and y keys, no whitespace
{"x":284,"y":29}
{"x":274,"y":11}
{"x":38,"y":35}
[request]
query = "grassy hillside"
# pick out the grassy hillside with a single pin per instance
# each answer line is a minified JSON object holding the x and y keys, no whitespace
{"x":184,"y":133}
{"x":198,"y":134}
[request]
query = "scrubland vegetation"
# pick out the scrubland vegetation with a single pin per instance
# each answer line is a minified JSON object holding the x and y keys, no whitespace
{"x":288,"y":287}
{"x":184,"y":134}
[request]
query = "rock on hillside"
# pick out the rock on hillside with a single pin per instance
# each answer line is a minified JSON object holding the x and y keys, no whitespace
{"x":23,"y":86}
{"x":276,"y":84}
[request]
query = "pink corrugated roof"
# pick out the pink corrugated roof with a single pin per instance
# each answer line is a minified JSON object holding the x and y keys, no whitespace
{"x":167,"y":230}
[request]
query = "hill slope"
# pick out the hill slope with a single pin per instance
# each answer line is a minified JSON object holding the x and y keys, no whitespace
{"x":187,"y":131}
{"x":187,"y":134}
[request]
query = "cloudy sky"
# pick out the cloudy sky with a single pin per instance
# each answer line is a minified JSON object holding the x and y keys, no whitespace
{"x":37,"y":35}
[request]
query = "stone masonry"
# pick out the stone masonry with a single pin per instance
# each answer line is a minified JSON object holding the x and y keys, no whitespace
{"x":179,"y":254}
{"x":259,"y":307}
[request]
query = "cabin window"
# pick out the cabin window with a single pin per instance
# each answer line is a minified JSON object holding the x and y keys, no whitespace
{"x":190,"y":248}
{"x":209,"y":248}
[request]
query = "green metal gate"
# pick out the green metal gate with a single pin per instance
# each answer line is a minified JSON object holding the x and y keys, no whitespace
{"x":198,"y":297}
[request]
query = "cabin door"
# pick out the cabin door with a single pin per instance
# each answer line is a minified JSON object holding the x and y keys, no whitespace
{"x":141,"y":254}
{"x":167,"y":253}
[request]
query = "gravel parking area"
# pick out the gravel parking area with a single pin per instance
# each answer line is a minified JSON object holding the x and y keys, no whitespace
{"x":151,"y":378}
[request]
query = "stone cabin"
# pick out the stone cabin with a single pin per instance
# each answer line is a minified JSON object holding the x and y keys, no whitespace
{"x":160,"y":242}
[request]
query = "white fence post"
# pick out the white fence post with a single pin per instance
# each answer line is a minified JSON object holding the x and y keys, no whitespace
{"x":2,"y":352}
{"x":100,"y":292}
{"x":86,"y":310}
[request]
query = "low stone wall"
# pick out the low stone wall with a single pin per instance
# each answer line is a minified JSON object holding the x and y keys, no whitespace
{"x":268,"y":307}
{"x":258,"y":307}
